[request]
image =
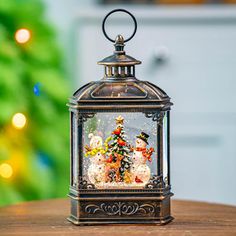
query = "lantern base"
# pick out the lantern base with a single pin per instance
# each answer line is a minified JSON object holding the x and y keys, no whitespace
{"x":116,"y":208}
{"x":121,"y":221}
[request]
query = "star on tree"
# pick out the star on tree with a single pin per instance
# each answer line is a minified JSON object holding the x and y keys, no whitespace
{"x":119,"y":120}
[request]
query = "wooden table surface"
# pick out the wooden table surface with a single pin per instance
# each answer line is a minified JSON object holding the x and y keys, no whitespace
{"x":49,"y":218}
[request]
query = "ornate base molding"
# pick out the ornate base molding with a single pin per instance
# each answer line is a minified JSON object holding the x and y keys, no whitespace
{"x":91,"y":210}
{"x":122,"y":221}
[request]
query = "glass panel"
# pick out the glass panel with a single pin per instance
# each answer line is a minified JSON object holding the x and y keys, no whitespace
{"x":75,"y":171}
{"x":165,"y":148}
{"x":120,"y":150}
{"x":119,"y":90}
{"x":72,"y":135}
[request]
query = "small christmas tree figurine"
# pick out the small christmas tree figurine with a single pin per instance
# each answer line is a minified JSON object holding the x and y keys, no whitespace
{"x":118,"y":163}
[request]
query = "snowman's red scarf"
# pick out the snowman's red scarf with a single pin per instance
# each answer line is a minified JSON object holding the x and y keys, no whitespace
{"x":147,"y":153}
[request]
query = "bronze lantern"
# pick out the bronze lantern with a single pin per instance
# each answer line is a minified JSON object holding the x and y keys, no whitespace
{"x":120,"y":158}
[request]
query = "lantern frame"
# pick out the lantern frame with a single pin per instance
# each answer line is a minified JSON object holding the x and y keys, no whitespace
{"x":89,"y":205}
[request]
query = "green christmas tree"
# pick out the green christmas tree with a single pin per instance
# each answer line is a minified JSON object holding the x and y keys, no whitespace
{"x":119,"y":152}
{"x":34,"y":124}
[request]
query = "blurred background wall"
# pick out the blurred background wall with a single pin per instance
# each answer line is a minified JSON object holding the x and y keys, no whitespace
{"x":186,"y":47}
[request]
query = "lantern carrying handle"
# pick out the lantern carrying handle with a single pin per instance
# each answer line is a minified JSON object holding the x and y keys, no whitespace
{"x":121,"y":10}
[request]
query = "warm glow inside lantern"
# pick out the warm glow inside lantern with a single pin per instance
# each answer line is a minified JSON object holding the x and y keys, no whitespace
{"x":120,"y":147}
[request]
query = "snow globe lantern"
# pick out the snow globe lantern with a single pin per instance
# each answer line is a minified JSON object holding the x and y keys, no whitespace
{"x":120,"y":146}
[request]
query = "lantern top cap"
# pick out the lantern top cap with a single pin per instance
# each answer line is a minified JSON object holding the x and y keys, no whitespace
{"x":119,"y":88}
{"x":119,"y":57}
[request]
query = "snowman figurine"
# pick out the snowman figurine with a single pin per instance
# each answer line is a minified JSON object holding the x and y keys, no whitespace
{"x":140,"y":171}
{"x":96,"y":170}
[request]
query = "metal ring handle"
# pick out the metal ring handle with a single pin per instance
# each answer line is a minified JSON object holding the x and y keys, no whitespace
{"x":116,"y":10}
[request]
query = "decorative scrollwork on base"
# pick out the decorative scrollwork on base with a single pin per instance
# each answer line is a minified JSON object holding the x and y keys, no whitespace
{"x":120,"y":208}
{"x":156,"y":116}
{"x":155,"y":182}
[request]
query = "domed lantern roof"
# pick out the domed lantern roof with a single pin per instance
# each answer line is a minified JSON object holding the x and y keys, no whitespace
{"x":119,"y":86}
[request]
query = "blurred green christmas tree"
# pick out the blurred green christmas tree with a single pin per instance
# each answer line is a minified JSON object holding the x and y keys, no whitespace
{"x":34,"y":132}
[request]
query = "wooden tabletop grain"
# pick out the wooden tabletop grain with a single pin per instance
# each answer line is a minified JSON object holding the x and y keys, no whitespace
{"x":49,"y":218}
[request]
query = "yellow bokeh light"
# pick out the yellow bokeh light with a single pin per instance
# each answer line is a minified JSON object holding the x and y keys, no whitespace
{"x":19,"y":120}
{"x":22,"y":35}
{"x":6,"y":170}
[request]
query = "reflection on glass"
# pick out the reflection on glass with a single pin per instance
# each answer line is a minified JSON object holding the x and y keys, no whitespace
{"x":120,"y":150}
{"x":165,"y":149}
{"x":75,"y":170}
{"x":121,"y":90}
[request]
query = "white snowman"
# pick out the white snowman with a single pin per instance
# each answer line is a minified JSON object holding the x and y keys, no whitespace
{"x":140,"y":171}
{"x":96,"y":170}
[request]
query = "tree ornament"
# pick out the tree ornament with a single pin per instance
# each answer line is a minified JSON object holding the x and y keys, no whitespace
{"x":121,"y":142}
{"x":117,"y":131}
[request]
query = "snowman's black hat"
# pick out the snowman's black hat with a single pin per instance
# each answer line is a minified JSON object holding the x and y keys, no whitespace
{"x":144,"y":137}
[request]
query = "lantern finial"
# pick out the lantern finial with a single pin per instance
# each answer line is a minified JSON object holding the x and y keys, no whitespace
{"x":119,"y":44}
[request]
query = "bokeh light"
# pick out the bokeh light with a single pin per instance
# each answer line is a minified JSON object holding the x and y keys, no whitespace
{"x":22,"y":35}
{"x":6,"y":170}
{"x":36,"y":89}
{"x":19,"y":120}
